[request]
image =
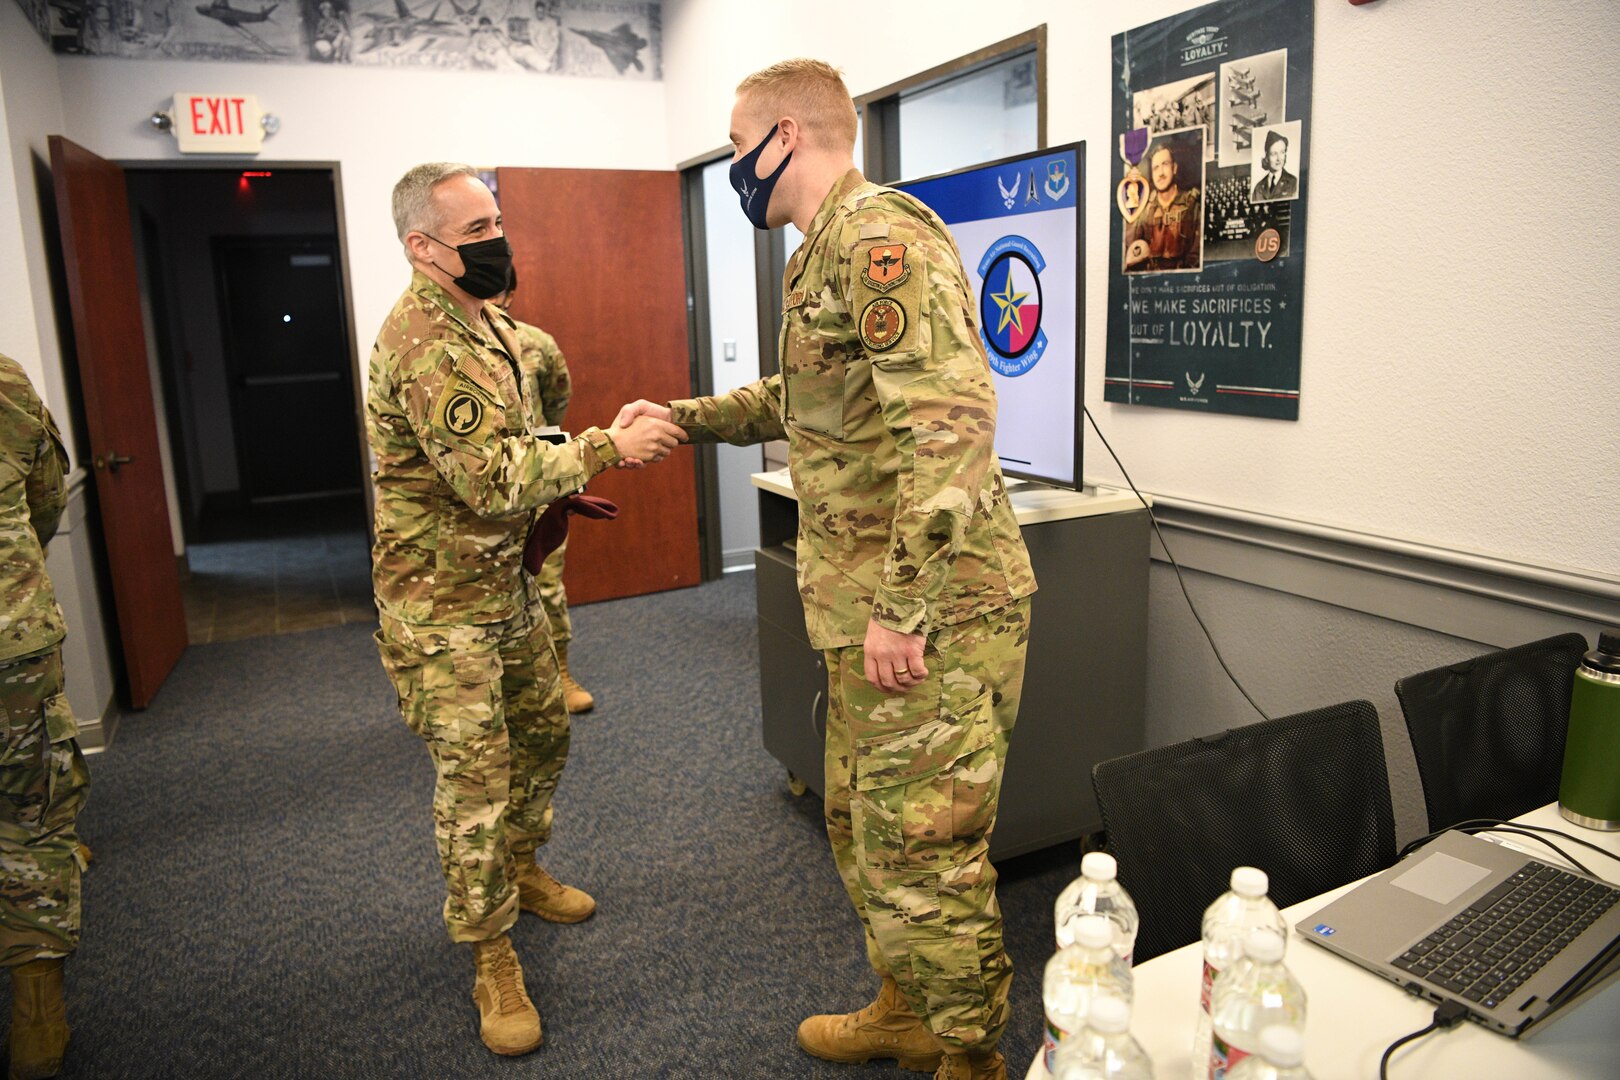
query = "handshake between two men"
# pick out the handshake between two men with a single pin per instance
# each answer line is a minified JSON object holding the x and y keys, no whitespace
{"x":642,"y":433}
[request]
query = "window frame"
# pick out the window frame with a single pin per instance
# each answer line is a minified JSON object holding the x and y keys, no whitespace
{"x":879,"y":110}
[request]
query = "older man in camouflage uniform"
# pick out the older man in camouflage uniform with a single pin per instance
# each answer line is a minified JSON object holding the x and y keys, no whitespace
{"x":913,"y":571}
{"x":459,"y":479}
{"x":546,"y":379}
{"x":43,"y":779}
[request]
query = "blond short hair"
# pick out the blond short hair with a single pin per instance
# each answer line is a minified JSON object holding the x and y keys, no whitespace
{"x":414,"y":209}
{"x":810,"y":91}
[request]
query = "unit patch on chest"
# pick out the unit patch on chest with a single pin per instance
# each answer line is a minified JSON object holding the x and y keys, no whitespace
{"x":882,"y":323}
{"x":885,"y":267}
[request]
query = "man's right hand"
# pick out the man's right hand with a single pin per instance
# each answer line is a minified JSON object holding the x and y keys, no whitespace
{"x":628,"y":416}
{"x":642,"y":407}
{"x":644,"y":437}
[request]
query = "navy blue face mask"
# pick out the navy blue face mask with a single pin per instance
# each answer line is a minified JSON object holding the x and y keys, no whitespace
{"x":753,"y":192}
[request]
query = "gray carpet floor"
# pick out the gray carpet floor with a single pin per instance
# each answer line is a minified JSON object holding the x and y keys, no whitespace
{"x":264,"y":900}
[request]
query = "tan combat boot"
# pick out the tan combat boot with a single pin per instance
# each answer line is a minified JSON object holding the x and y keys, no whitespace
{"x":976,"y":1066}
{"x":887,"y":1028}
{"x":575,"y":697}
{"x":39,"y":1027}
{"x":508,"y":1022}
{"x":541,"y":894}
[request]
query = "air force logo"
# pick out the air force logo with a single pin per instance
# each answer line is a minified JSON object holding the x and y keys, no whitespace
{"x":1009,"y":195}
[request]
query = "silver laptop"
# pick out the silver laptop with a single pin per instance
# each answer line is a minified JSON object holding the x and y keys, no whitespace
{"x":1512,"y":938}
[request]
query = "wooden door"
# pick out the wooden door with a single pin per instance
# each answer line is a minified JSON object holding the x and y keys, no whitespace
{"x":601,"y":267}
{"x":98,"y":251}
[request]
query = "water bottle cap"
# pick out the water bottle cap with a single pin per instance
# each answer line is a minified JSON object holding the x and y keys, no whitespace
{"x":1283,"y":1046}
{"x":1109,"y":1015}
{"x":1249,"y":881}
{"x":1093,"y":932}
{"x":1099,"y":866}
{"x":1264,"y":945}
{"x":1606,"y":657}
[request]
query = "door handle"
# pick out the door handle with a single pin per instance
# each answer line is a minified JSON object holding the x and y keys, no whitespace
{"x":112,"y":461}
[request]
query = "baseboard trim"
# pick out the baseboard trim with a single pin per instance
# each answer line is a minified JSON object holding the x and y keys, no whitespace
{"x":1464,"y":594}
{"x":97,"y":735}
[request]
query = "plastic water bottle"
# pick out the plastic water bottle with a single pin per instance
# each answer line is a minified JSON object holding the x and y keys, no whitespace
{"x":1097,"y":891}
{"x":1251,"y":995}
{"x":1226,"y":922}
{"x":1281,"y":1057}
{"x":1077,"y":976}
{"x":1103,"y":1049}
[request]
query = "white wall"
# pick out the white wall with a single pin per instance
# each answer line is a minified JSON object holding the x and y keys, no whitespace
{"x":376,"y":123}
{"x":33,"y":111}
{"x":1458,"y":388}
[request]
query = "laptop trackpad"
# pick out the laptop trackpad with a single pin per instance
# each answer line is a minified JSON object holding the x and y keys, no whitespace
{"x":1440,"y":877}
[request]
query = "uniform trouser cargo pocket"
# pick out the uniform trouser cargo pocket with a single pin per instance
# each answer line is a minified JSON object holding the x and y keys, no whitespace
{"x":915,"y":789}
{"x":43,"y":785}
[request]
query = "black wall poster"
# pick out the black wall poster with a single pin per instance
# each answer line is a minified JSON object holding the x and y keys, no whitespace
{"x":1207,"y":239}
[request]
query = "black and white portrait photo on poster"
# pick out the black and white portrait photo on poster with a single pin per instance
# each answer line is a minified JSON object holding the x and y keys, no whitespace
{"x":1270,"y":176}
{"x":1207,"y":253}
{"x":1183,"y":104}
{"x":1167,"y":233}
{"x":1253,"y":93}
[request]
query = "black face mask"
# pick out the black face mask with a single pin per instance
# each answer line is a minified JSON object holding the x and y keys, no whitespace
{"x":485,"y":263}
{"x":753,"y":192}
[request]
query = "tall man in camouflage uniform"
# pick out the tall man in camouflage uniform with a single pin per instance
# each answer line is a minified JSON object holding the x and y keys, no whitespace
{"x":43,"y":779}
{"x":912,"y":569}
{"x":546,"y":380}
{"x":459,"y":479}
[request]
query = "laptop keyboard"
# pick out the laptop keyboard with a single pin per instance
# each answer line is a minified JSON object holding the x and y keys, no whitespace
{"x":1488,"y":951}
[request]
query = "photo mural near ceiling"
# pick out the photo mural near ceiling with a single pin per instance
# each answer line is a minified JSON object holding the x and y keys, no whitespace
{"x":589,"y":38}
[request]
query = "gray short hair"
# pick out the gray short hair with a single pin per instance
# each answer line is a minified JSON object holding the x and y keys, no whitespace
{"x":413,"y":196}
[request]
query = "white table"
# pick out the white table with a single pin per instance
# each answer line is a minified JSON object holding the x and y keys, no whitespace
{"x":1353,"y":1015}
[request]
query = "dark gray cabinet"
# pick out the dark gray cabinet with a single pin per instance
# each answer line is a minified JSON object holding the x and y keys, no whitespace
{"x":1085,"y":685}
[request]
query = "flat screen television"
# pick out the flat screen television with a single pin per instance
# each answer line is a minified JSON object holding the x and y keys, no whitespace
{"x":1021,"y":232}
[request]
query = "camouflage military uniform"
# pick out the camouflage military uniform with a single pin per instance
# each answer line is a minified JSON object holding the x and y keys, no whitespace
{"x":546,"y":381}
{"x":886,"y":402}
{"x":43,"y":778}
{"x":458,"y":483}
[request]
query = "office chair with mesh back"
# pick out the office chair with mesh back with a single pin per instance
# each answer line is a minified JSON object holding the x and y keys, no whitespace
{"x":1304,"y":797}
{"x":1488,"y":733}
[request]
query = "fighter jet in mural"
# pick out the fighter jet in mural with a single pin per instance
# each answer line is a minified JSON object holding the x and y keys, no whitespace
{"x":222,"y":11}
{"x":402,"y":28}
{"x":621,"y":44}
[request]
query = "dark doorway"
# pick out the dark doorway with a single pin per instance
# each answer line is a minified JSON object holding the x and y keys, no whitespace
{"x":243,"y":281}
{"x":288,"y":364}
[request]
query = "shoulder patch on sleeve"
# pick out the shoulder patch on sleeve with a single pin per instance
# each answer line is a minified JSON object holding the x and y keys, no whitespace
{"x":885,"y":265}
{"x":472,"y":371}
{"x":874,"y":230}
{"x":882,"y":324}
{"x":464,"y":412}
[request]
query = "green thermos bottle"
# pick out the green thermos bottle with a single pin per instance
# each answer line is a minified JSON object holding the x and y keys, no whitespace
{"x":1589,"y":793}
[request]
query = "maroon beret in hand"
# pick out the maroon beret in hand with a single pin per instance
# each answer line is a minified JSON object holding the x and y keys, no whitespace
{"x":551,"y":528}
